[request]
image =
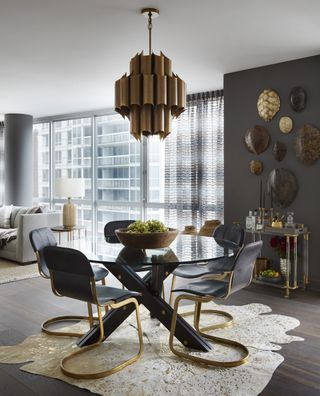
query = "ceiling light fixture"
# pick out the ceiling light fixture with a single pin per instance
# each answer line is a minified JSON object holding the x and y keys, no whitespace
{"x":151,"y":95}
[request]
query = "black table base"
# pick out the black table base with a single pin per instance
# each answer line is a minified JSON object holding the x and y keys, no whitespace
{"x":150,"y":288}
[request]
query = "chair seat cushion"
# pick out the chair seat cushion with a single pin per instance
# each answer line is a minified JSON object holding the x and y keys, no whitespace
{"x":206,"y":287}
{"x":106,"y":294}
{"x":219,"y":266}
{"x":100,"y":272}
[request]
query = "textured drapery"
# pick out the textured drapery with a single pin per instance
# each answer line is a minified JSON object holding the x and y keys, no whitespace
{"x":1,"y":162}
{"x":194,"y":167}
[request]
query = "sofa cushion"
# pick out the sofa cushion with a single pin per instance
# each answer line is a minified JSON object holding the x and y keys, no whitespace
{"x":5,"y":215}
{"x":17,"y":211}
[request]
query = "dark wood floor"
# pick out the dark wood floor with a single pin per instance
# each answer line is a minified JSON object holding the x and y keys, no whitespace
{"x":25,"y":304}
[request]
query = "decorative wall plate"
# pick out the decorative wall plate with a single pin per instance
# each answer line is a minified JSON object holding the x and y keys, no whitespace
{"x":286,"y":124}
{"x":283,"y":185}
{"x":307,"y":144}
{"x":268,"y":104}
{"x":298,"y":99}
{"x":256,"y":167}
{"x":279,"y":151}
{"x":257,"y":139}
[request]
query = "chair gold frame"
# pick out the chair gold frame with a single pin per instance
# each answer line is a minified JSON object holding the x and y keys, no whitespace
{"x":229,"y":318}
{"x":197,"y":313}
{"x":66,"y":318}
{"x":112,"y":305}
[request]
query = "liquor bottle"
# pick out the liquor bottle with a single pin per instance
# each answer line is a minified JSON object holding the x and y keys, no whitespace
{"x":249,"y":222}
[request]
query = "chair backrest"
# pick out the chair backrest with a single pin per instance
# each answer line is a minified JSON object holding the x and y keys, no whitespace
{"x":110,"y":227}
{"x":40,"y":238}
{"x":244,"y":264}
{"x":230,"y":236}
{"x":70,"y":272}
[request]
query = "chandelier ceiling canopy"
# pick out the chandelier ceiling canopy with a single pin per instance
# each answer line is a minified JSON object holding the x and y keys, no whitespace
{"x":151,"y":95}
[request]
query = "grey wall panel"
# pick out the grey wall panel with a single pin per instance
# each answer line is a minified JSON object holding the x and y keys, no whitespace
{"x":18,"y":159}
{"x":241,"y":90}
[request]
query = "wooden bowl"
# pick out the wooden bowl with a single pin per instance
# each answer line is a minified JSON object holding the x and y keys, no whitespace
{"x":152,"y":240}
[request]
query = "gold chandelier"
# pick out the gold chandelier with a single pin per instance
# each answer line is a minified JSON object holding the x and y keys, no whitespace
{"x":151,"y":95}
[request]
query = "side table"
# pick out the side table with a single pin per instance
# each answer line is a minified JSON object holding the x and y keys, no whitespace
{"x":291,"y":273}
{"x":70,"y":232}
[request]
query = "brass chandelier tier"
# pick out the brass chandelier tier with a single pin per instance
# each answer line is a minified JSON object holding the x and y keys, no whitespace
{"x":152,"y":94}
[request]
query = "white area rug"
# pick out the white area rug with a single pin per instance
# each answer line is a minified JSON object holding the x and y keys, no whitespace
{"x":159,"y":372}
{"x":11,"y":272}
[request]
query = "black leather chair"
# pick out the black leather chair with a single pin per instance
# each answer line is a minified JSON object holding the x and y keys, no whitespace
{"x":72,"y":276}
{"x":230,"y":237}
{"x":205,"y":290}
{"x":109,"y":229}
{"x":40,"y":238}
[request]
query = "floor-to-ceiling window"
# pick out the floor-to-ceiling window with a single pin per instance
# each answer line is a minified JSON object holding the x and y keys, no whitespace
{"x":178,"y":181}
{"x":41,"y":161}
{"x":72,"y":158}
{"x":117,"y":171}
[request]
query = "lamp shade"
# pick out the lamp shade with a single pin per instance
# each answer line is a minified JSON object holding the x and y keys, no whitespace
{"x":69,"y":188}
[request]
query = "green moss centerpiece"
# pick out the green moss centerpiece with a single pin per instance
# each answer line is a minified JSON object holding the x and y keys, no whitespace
{"x":151,"y":234}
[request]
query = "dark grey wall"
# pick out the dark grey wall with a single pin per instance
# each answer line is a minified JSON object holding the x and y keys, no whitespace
{"x":18,"y":159}
{"x":241,"y":90}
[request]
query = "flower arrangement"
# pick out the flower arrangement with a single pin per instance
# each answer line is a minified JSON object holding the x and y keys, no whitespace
{"x":279,"y":244}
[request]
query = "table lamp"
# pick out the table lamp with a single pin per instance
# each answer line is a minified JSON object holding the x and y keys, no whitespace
{"x":69,"y":188}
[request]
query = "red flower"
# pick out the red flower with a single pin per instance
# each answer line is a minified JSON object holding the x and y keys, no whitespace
{"x":279,"y":244}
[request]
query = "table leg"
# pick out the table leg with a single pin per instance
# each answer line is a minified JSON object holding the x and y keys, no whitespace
{"x":158,"y":308}
{"x":288,"y":269}
{"x":305,"y":259}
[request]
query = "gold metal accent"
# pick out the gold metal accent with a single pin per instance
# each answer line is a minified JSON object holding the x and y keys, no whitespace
{"x":163,"y":312}
{"x":151,"y":94}
{"x":105,"y":373}
{"x":119,"y":276}
{"x":166,"y":273}
{"x":197,"y":312}
{"x":223,"y":325}
{"x":146,"y":11}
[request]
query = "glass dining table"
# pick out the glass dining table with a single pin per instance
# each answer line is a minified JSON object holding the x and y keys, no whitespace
{"x":144,"y":271}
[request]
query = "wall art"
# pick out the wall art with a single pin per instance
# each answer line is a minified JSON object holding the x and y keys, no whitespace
{"x":283,"y":185}
{"x":279,"y":151}
{"x":285,"y":124}
{"x":256,"y":167}
{"x":268,"y":104}
{"x":257,"y":139}
{"x":307,"y":144}
{"x":298,"y":99}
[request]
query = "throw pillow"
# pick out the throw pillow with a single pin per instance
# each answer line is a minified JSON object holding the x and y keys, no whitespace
{"x":5,"y":213}
{"x":34,"y":209}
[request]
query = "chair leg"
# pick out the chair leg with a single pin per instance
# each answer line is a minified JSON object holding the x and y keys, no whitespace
{"x":59,"y":319}
{"x":210,"y":362}
{"x":198,"y":312}
{"x":227,"y":323}
{"x":172,"y":287}
{"x":117,"y":368}
{"x":103,"y":281}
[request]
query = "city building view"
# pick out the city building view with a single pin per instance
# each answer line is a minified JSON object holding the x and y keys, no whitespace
{"x":101,"y":150}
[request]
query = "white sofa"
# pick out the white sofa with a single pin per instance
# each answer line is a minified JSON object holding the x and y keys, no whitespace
{"x":20,"y":249}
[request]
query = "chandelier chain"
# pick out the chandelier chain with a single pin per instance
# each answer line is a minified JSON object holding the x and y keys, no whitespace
{"x":150,"y":29}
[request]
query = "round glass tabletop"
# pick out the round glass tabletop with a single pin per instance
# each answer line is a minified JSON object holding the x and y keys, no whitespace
{"x":184,"y":250}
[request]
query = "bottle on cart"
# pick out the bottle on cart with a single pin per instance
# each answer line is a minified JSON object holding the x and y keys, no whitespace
{"x":266,"y":220}
{"x":259,"y":224}
{"x":250,"y":221}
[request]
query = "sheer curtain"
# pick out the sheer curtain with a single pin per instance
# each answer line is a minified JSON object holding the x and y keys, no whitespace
{"x":194,"y":166}
{"x":1,"y":163}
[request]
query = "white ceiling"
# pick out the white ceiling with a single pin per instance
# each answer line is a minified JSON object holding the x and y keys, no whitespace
{"x":63,"y":56}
